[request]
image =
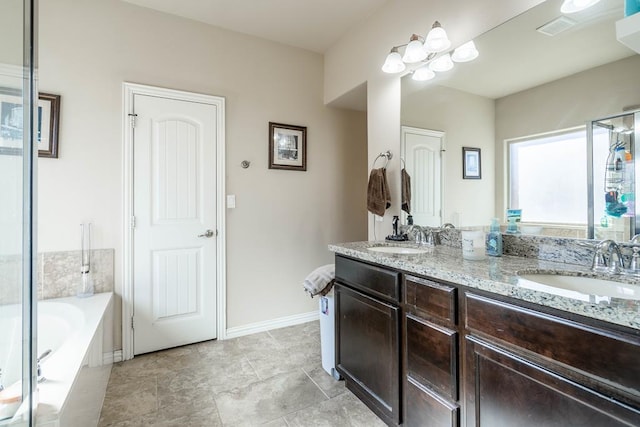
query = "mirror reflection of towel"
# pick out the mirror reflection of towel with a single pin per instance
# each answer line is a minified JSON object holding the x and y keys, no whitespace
{"x":378,"y":196}
{"x":406,"y":191}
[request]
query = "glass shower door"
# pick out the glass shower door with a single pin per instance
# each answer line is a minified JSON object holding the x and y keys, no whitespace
{"x":612,"y":178}
{"x":17,"y":247}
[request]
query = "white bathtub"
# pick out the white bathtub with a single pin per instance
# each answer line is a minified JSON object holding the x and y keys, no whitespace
{"x":76,"y":376}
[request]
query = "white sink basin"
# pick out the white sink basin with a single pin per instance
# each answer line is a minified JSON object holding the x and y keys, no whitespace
{"x":398,"y":250}
{"x":579,"y":287}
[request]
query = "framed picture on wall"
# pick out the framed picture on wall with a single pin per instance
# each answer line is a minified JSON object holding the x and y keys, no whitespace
{"x":471,"y":166}
{"x":11,"y":123}
{"x":48,"y":122}
{"x":287,"y":147}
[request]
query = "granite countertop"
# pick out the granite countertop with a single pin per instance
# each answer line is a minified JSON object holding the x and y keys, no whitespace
{"x":499,"y":275}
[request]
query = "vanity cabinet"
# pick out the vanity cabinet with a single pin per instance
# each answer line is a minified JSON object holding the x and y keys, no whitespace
{"x":431,"y":353}
{"x":368,"y":335}
{"x":447,"y":355}
{"x":527,"y":368}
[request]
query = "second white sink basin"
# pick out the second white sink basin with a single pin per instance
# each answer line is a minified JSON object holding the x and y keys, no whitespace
{"x":398,"y":250}
{"x":576,"y":286}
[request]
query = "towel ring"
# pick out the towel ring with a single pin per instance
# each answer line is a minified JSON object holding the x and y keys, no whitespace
{"x":387,"y":155}
{"x":404,"y":165}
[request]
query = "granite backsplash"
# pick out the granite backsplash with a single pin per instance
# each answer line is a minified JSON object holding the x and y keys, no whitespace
{"x":58,"y":274}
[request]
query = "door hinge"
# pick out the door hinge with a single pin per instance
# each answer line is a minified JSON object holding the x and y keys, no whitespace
{"x":133,"y":222}
{"x":132,"y":327}
{"x":132,"y":117}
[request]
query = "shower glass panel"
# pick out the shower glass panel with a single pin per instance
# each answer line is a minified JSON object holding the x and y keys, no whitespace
{"x":17,"y":248}
{"x":612,"y":178}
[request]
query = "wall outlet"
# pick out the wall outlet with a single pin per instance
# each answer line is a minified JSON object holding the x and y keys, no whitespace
{"x":231,"y":201}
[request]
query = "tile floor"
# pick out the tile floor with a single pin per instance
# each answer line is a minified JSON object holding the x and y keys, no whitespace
{"x":272,"y":378}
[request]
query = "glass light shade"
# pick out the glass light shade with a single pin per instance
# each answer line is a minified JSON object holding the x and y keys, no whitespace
{"x":393,"y":63}
{"x":441,"y":63}
{"x":465,"y":53}
{"x":414,"y":52}
{"x":422,"y":74}
{"x":572,"y":6}
{"x":437,"y":40}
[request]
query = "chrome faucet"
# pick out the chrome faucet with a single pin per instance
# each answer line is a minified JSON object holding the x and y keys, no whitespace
{"x":41,"y":378}
{"x":603,"y":257}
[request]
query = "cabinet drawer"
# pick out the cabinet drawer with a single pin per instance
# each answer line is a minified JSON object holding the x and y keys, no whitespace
{"x":431,"y":299}
{"x":432,"y":355}
{"x":609,"y":357}
{"x":424,"y":408}
{"x":369,"y":278}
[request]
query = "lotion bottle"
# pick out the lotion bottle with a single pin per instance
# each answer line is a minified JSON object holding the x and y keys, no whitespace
{"x":494,"y":239}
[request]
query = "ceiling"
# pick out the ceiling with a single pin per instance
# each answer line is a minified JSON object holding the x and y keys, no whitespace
{"x":313,"y":25}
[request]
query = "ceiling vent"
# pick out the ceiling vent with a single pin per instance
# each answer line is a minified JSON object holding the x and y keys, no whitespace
{"x":555,"y":27}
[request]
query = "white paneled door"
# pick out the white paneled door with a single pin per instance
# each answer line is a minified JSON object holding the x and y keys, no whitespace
{"x":422,"y":149}
{"x":174,"y":207}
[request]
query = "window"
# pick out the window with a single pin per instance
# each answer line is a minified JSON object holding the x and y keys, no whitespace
{"x":548,"y":175}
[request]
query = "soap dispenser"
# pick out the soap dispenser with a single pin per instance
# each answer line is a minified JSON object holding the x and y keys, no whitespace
{"x":494,"y":239}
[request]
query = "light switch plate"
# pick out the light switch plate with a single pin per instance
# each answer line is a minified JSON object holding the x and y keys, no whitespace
{"x":231,"y":201}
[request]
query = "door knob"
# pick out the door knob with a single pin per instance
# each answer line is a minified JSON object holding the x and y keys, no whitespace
{"x":207,"y":234}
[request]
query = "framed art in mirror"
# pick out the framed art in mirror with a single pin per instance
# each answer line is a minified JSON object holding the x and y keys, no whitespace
{"x":287,"y":147}
{"x":471,"y":167}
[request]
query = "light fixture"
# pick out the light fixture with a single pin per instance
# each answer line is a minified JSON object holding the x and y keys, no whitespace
{"x":441,"y":63}
{"x":465,"y":53}
{"x":415,"y":51}
{"x":393,"y":63}
{"x":572,"y":6}
{"x":423,"y":74}
{"x":419,"y":53}
{"x":437,"y":40}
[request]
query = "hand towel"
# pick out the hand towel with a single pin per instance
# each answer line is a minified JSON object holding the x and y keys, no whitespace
{"x":406,"y":191}
{"x":320,"y":280}
{"x":378,"y":196}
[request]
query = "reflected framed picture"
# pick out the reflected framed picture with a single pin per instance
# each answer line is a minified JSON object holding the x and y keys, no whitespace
{"x":287,"y":147}
{"x":11,"y":123}
{"x":471,"y":163}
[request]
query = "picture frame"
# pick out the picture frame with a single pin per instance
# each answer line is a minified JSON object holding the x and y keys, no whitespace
{"x":48,"y":124}
{"x":287,"y":147}
{"x":471,"y":163}
{"x":11,"y":126}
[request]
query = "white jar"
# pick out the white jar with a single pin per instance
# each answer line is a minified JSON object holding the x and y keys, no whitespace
{"x":473,"y":244}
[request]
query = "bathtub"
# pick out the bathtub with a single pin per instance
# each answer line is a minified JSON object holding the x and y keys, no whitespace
{"x":75,"y":372}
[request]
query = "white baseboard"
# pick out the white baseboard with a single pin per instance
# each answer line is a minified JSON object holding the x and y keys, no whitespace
{"x":281,"y":322}
{"x":112,"y":357}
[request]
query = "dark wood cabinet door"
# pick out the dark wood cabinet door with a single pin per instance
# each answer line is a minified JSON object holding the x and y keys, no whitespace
{"x":503,"y":389}
{"x":432,"y":355}
{"x":424,"y":408}
{"x":368,"y":350}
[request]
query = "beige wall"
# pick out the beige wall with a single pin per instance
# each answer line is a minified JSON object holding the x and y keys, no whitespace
{"x":358,"y":57}
{"x":562,"y":104}
{"x":468,"y":121}
{"x":283,"y":220}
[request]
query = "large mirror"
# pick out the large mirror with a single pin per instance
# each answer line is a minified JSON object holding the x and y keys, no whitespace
{"x":539,"y":79}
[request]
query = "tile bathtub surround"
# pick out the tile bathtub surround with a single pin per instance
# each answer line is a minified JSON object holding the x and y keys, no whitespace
{"x":272,"y":378}
{"x":59,"y":272}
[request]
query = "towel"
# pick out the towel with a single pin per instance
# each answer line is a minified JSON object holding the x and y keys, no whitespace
{"x":406,"y":191}
{"x":320,"y":280}
{"x":378,"y":196}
